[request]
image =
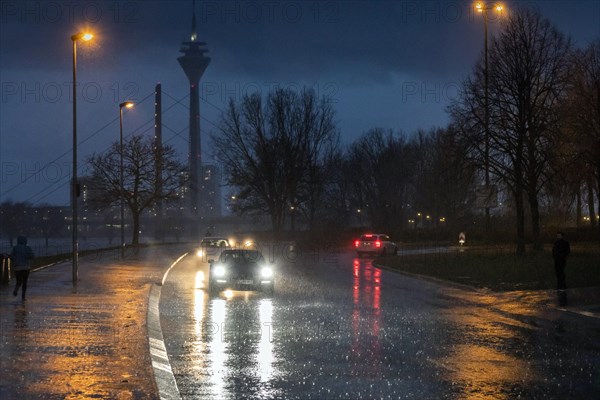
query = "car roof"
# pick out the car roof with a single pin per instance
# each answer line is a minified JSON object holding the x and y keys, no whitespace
{"x":240,"y":251}
{"x":374,"y":234}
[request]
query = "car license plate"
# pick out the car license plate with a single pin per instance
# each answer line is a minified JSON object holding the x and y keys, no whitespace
{"x":245,"y":281}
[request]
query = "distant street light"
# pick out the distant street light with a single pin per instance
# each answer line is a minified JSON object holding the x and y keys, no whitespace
{"x":483,"y":9}
{"x":75,"y":186}
{"x":126,"y":104}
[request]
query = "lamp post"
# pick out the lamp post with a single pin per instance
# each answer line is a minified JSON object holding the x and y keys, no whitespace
{"x":483,"y":9}
{"x":127,"y":104}
{"x":75,"y":186}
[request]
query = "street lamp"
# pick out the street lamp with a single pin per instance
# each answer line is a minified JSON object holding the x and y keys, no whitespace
{"x":126,"y":104}
{"x":75,"y":186}
{"x":483,"y":9}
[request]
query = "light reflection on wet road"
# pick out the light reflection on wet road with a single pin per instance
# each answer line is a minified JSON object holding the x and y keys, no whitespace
{"x":338,"y":328}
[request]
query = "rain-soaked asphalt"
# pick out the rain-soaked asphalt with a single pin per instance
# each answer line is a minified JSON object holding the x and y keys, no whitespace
{"x":339,"y":328}
{"x":83,"y":342}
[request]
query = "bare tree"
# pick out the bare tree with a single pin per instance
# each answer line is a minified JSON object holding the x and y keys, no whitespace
{"x":582,"y":116}
{"x":389,"y":177}
{"x":529,"y":64}
{"x":139,"y":190}
{"x":269,"y":149}
{"x":444,"y":177}
{"x":322,"y":154}
{"x":381,"y":169}
{"x":50,"y":221}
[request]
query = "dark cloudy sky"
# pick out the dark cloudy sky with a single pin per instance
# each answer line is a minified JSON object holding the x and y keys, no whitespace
{"x":390,"y":64}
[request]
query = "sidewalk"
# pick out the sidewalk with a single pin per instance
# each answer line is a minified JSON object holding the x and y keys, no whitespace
{"x":88,"y":341}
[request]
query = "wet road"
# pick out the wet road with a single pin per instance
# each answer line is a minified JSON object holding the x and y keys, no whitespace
{"x":83,"y":342}
{"x":338,"y":328}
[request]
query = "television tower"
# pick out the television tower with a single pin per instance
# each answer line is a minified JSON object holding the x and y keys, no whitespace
{"x":194,"y":63}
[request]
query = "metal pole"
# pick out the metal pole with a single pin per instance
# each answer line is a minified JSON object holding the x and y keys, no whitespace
{"x":74,"y":183}
{"x":122,"y":182}
{"x":486,"y":120}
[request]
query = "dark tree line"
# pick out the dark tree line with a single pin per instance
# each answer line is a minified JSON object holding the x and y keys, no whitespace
{"x":282,"y":157}
{"x":543,"y":141}
{"x":22,"y":218}
{"x":393,"y":177}
{"x":581,"y":112}
{"x":534,"y":141}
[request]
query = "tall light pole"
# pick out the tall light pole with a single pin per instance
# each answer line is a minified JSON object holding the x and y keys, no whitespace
{"x":75,"y":186}
{"x":127,"y":104}
{"x":483,"y":9}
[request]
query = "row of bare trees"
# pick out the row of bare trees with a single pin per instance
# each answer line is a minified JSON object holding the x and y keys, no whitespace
{"x":21,"y":218}
{"x":544,"y":108}
{"x":542,"y":144}
{"x":283,"y":158}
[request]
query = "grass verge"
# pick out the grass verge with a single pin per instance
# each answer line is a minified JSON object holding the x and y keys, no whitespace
{"x":501,"y":270}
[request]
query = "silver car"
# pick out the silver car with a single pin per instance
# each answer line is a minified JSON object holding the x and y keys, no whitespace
{"x":211,"y":247}
{"x":375,"y":244}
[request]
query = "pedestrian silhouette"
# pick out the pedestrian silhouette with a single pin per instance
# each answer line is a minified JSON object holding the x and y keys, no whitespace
{"x":560,"y":251}
{"x":21,"y":256}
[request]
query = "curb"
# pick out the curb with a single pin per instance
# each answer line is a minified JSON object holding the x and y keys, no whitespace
{"x":163,"y":374}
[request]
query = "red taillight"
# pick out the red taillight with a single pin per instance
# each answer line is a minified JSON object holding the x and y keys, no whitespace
{"x":378,"y":244}
{"x":356,"y":243}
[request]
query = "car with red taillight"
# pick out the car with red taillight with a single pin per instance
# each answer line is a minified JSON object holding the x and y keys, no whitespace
{"x":375,"y":244}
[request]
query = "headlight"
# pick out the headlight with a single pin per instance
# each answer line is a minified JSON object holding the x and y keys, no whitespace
{"x":266,"y":272}
{"x":200,"y":253}
{"x":219,"y":271}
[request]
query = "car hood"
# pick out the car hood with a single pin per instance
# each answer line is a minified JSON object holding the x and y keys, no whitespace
{"x":242,"y":267}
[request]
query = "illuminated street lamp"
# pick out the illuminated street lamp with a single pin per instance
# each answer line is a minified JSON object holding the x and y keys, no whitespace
{"x":75,"y":186}
{"x":482,"y":8}
{"x":126,"y":104}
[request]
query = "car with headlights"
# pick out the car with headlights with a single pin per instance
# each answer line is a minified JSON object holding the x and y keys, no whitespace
{"x":211,"y":247}
{"x":241,"y":269}
{"x":378,"y":244}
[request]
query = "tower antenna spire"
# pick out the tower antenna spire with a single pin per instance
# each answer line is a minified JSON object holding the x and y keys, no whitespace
{"x":194,"y":34}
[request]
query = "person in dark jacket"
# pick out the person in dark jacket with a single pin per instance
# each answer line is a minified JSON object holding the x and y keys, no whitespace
{"x":560,"y":251}
{"x":21,"y":257}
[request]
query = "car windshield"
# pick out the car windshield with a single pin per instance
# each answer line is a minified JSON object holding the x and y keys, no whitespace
{"x":241,"y":256}
{"x":213,"y":242}
{"x":368,"y":238}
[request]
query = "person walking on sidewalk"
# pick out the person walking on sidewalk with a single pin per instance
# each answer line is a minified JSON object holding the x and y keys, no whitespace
{"x":21,"y":257}
{"x":560,"y":251}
